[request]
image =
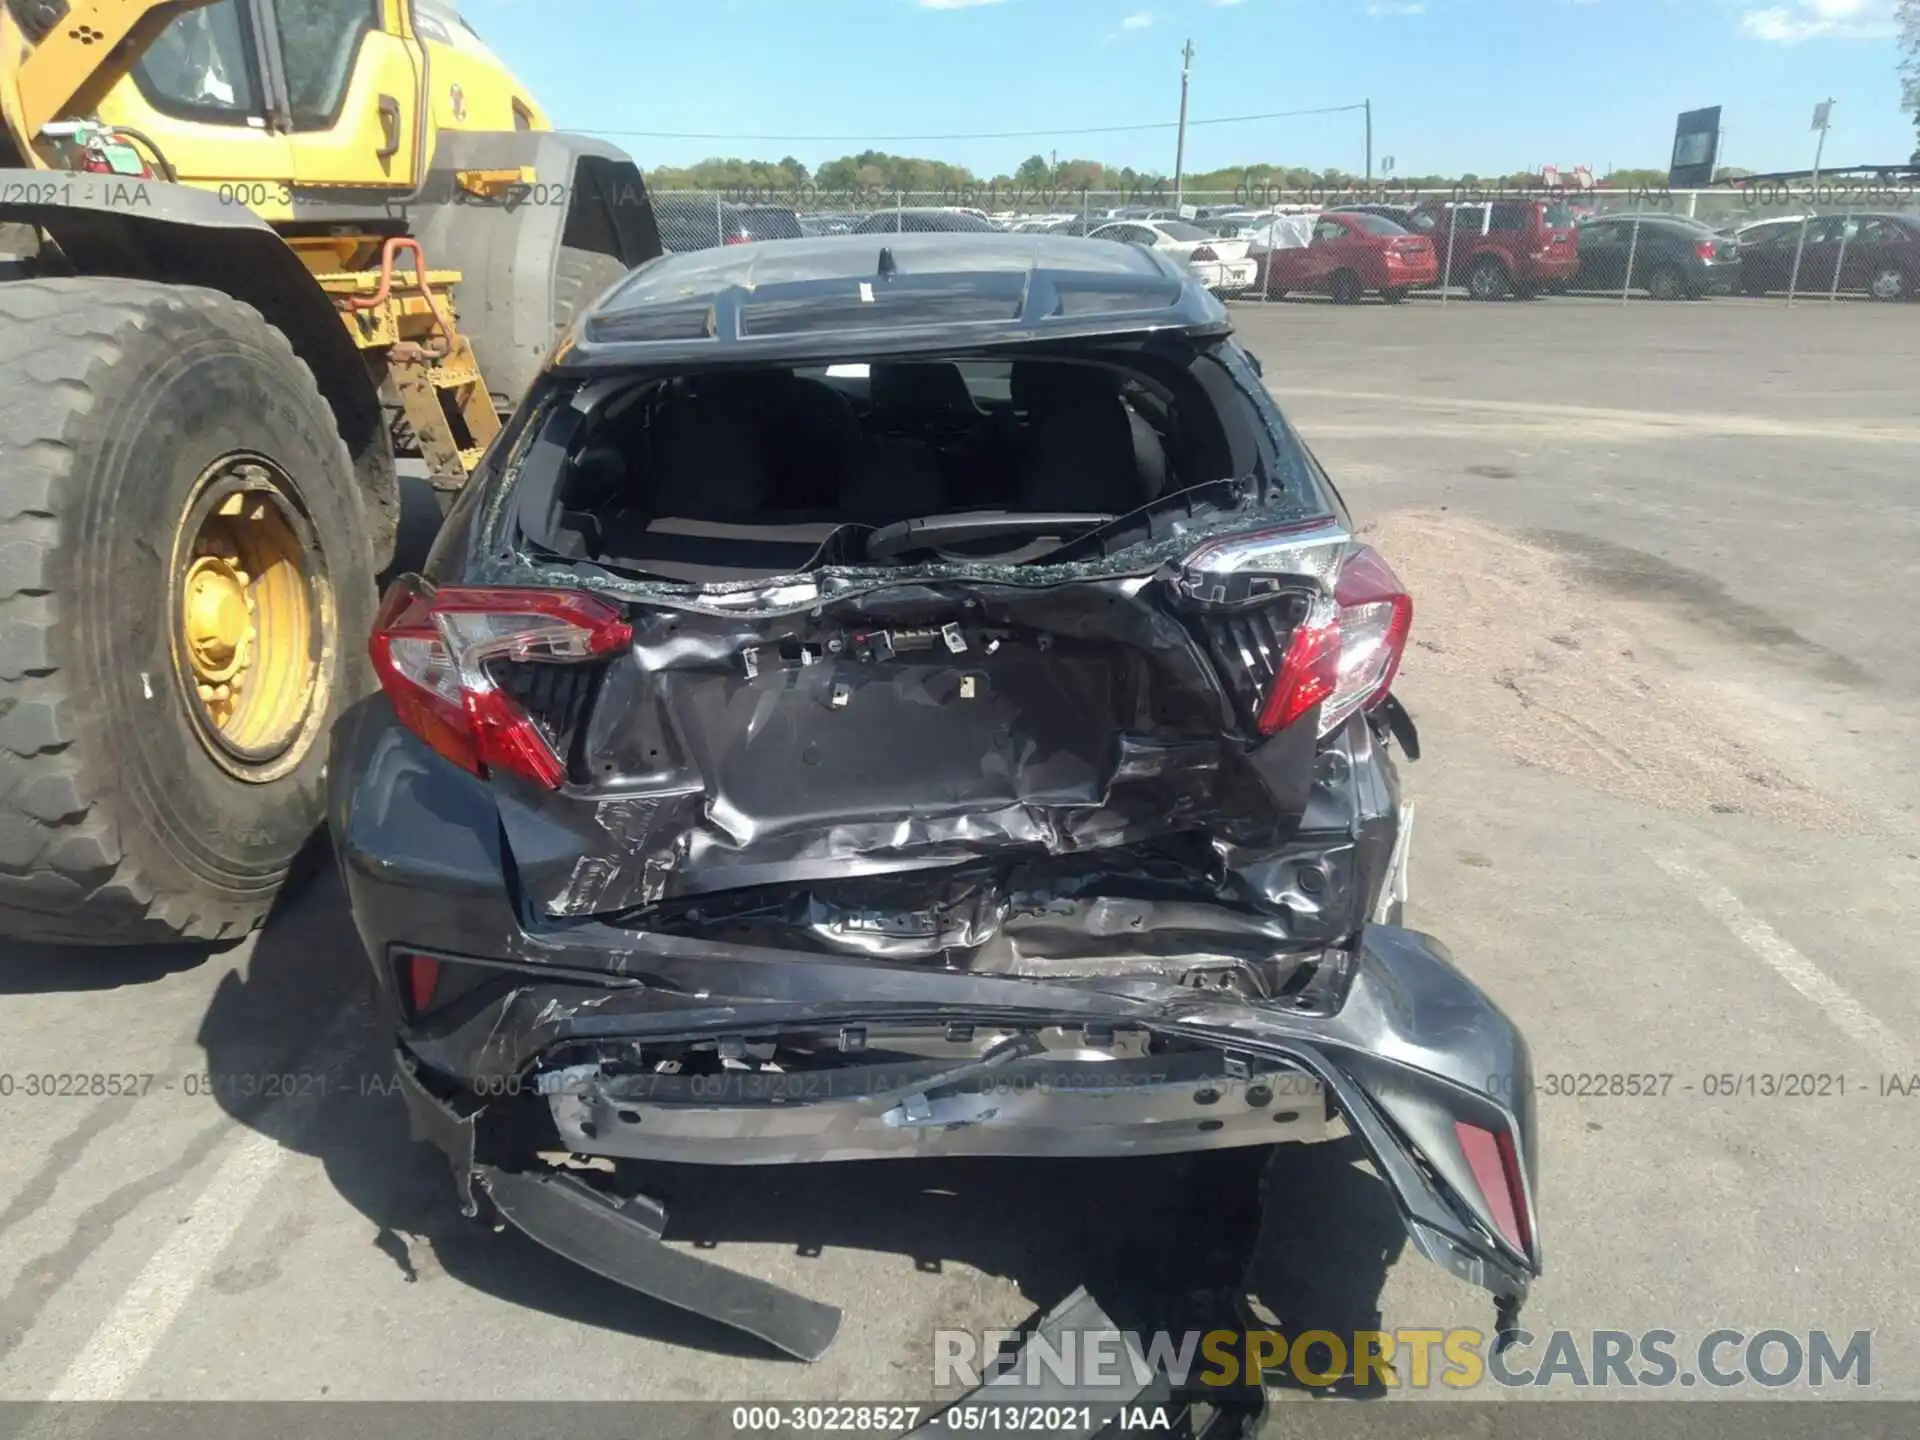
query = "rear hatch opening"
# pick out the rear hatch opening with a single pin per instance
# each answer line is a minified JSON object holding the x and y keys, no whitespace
{"x":751,"y":473}
{"x":848,"y":619}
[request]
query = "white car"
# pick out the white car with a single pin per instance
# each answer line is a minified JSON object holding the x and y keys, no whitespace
{"x":1223,"y":266}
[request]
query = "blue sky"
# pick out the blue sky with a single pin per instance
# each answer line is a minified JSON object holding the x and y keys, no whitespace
{"x":1483,"y":85}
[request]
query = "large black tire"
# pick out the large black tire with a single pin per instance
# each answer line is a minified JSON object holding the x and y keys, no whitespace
{"x":579,"y":278}
{"x":117,"y":824}
{"x":1344,"y":287}
{"x":1667,"y":282}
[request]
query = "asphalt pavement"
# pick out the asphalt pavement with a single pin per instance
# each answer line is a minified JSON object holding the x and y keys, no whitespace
{"x":1665,"y":672}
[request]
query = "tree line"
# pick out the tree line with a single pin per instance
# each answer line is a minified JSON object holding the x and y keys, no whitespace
{"x":877,"y":170}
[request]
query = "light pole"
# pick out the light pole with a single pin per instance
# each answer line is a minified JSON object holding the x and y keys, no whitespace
{"x":1822,"y":117}
{"x":1180,"y":142}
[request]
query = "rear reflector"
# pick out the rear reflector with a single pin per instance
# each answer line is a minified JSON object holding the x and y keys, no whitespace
{"x":421,"y":975}
{"x":432,"y":648}
{"x":1496,"y":1170}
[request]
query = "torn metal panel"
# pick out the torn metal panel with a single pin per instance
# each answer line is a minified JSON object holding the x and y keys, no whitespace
{"x":860,"y":741}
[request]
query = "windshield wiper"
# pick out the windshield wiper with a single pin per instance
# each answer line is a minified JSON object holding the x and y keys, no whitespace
{"x":931,"y":532}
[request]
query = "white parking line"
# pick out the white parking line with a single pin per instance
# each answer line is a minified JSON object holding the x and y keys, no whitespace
{"x":1790,"y":965}
{"x":113,"y":1358}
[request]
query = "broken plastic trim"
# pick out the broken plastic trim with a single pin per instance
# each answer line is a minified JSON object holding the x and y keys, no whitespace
{"x":618,"y":1239}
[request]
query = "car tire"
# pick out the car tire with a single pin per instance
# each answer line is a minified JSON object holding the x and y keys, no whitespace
{"x":1667,"y":283}
{"x":1394,"y":294}
{"x":1487,"y":280}
{"x":176,"y":495}
{"x":1890,"y":283}
{"x":581,"y":277}
{"x":1557,"y":287}
{"x":1344,"y":287}
{"x":1526,"y":292}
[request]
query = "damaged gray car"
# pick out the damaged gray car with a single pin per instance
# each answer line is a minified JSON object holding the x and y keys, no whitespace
{"x":906,"y":696}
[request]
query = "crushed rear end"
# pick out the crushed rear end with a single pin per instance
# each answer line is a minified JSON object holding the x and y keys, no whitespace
{"x":934,"y":844}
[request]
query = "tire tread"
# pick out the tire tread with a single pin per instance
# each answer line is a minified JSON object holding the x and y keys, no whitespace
{"x":63,"y":876}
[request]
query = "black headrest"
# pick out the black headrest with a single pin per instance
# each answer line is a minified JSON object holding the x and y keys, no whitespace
{"x":1046,"y":387}
{"x":896,"y":479}
{"x":919,"y":385}
{"x":712,"y":468}
{"x":1097,"y":457}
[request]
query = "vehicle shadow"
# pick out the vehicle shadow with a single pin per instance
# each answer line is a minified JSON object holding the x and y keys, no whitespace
{"x":32,"y":967}
{"x":1162,"y":1243}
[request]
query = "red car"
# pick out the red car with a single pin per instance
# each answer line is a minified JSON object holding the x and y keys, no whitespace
{"x":1502,"y":247}
{"x":1353,"y":253}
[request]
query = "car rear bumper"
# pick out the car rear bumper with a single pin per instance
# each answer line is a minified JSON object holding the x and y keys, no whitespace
{"x":1411,"y":274}
{"x":1550,"y":267}
{"x":1225,"y":276}
{"x":516,"y":1071}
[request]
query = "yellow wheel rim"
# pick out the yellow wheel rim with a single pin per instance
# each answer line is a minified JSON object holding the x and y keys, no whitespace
{"x":252,"y":618}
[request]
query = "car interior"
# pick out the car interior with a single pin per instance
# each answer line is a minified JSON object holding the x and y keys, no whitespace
{"x":748,"y":473}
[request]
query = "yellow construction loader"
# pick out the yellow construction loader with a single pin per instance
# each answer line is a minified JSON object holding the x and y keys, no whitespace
{"x":253,"y":254}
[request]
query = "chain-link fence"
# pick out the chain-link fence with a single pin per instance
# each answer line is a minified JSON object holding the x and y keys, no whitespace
{"x":1239,"y":226}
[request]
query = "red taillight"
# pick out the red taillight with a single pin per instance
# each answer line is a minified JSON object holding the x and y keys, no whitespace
{"x":736,"y":240}
{"x":431,"y":649}
{"x":1704,"y":249}
{"x":1308,"y":671}
{"x":1344,"y":654}
{"x":1203,"y":252}
{"x":1496,"y":1170}
{"x":421,"y":974}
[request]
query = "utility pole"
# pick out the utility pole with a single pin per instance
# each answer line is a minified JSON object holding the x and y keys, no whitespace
{"x":1369,"y":144}
{"x":1180,"y":143}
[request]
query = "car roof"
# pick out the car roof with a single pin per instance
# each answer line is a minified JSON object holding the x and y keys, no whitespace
{"x":892,"y":293}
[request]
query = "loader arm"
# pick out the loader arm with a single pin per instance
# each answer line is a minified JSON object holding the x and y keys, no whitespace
{"x":61,"y":56}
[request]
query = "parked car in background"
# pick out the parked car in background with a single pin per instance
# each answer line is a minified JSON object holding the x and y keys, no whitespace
{"x":1223,"y":266}
{"x":1351,"y":254}
{"x":728,"y":799}
{"x":1236,"y":227}
{"x":1750,"y":230}
{"x":1878,"y":254}
{"x":828,"y":224}
{"x":1401,"y":215}
{"x":921,"y":222}
{"x":1501,"y":247}
{"x":1671,"y":257}
{"x":1079,"y":225}
{"x":697,"y":223}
